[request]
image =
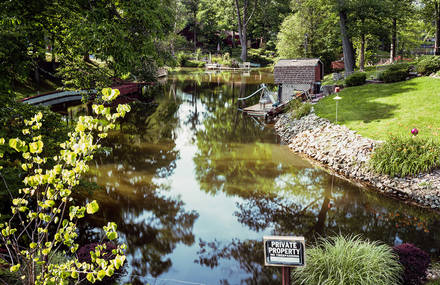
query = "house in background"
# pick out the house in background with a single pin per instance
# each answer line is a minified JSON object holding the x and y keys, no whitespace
{"x":294,"y":75}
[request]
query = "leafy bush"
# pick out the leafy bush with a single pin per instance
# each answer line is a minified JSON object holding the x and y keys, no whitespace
{"x":403,"y":156}
{"x":356,"y":79}
{"x":27,"y":234}
{"x":182,"y":59}
{"x":85,"y":255}
{"x":350,"y":260}
{"x":395,"y":73}
{"x":299,"y":109}
{"x":259,"y":56}
{"x":415,"y":262}
{"x":428,"y":64}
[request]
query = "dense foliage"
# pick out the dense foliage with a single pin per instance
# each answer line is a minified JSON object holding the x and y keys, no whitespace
{"x":299,"y":109}
{"x":405,"y":155}
{"x":427,"y":65}
{"x":351,"y":260}
{"x":11,"y":124}
{"x":415,"y":261}
{"x":43,"y":215}
{"x":356,"y":79}
{"x":395,"y":73}
{"x":86,"y":253}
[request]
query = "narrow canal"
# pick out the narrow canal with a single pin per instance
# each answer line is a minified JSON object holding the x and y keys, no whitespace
{"x":194,"y":186}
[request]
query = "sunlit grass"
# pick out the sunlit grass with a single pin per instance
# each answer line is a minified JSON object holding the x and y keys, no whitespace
{"x":378,"y":110}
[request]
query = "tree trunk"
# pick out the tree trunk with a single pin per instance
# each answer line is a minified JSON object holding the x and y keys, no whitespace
{"x":437,"y":29}
{"x":37,"y":74}
{"x":242,"y":27}
{"x":53,"y":53}
{"x":195,"y":32}
{"x":233,"y":40}
{"x":243,"y":42}
{"x":393,"y":41}
{"x":347,"y":45}
{"x":362,"y":59}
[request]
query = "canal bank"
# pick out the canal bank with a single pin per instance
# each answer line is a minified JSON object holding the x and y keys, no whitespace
{"x":194,"y":184}
{"x":347,"y":154}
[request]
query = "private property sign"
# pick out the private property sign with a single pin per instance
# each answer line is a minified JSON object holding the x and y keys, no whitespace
{"x":284,"y":251}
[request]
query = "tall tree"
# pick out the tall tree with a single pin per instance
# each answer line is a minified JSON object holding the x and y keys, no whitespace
{"x":245,"y":11}
{"x":192,"y":7}
{"x":311,"y":31}
{"x":399,"y":12}
{"x":342,"y":7}
{"x":367,"y":18}
{"x":431,"y":11}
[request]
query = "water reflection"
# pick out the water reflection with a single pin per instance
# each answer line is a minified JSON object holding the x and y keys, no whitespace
{"x":190,"y":167}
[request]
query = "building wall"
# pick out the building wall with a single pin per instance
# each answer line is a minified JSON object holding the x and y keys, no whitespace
{"x":288,"y":90}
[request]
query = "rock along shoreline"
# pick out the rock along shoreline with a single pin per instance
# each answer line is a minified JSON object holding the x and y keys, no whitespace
{"x":347,"y":153}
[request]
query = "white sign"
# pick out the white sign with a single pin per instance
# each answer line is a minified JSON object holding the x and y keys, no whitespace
{"x":284,"y":251}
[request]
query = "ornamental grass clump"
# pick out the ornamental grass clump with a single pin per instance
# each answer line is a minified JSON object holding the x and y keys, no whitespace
{"x":406,"y":156}
{"x":349,"y":260}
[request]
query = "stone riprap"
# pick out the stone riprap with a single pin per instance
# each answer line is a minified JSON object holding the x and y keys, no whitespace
{"x":348,"y":154}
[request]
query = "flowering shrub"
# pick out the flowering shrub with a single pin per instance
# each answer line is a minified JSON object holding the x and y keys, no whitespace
{"x":415,"y":261}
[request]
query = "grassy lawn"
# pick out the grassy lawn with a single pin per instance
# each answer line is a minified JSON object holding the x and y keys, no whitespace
{"x":378,"y":110}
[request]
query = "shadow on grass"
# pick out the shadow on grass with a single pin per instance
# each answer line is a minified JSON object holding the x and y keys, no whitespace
{"x":358,"y":103}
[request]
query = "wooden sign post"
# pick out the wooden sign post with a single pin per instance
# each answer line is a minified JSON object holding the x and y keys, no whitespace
{"x":284,"y":252}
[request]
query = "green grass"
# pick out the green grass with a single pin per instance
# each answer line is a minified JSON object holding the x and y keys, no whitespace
{"x":379,"y":110}
{"x":351,"y":260}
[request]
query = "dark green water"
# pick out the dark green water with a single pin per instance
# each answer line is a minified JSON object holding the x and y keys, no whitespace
{"x":194,"y":186}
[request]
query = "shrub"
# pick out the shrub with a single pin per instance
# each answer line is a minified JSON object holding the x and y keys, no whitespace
{"x":403,"y":156}
{"x":259,"y":56}
{"x":299,"y":109}
{"x":27,"y":234}
{"x":349,"y":260}
{"x":356,"y":79}
{"x":395,"y":73}
{"x":415,"y":262}
{"x":182,"y":59}
{"x":85,"y":255}
{"x":428,"y":64}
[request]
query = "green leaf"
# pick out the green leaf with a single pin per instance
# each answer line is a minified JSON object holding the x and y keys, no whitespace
{"x":74,"y":274}
{"x":92,"y":207}
{"x":14,"y":268}
{"x":112,"y":235}
{"x":90,"y":277}
{"x":13,"y":143}
{"x":101,"y":275}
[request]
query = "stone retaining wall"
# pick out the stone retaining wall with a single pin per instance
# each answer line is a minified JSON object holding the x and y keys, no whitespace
{"x":347,"y":153}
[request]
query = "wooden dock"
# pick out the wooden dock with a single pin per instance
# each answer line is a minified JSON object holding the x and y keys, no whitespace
{"x":266,"y":111}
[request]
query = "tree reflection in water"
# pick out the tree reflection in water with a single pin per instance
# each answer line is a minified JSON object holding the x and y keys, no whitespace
{"x":290,"y":197}
{"x":275,"y":192}
{"x":151,"y":222}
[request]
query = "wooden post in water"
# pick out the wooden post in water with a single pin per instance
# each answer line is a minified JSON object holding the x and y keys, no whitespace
{"x":285,"y":275}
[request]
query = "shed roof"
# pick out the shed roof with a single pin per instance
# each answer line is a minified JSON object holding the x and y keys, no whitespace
{"x":298,"y":62}
{"x":298,"y":70}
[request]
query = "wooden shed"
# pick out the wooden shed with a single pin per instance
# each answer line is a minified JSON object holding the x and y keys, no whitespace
{"x":293,"y":75}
